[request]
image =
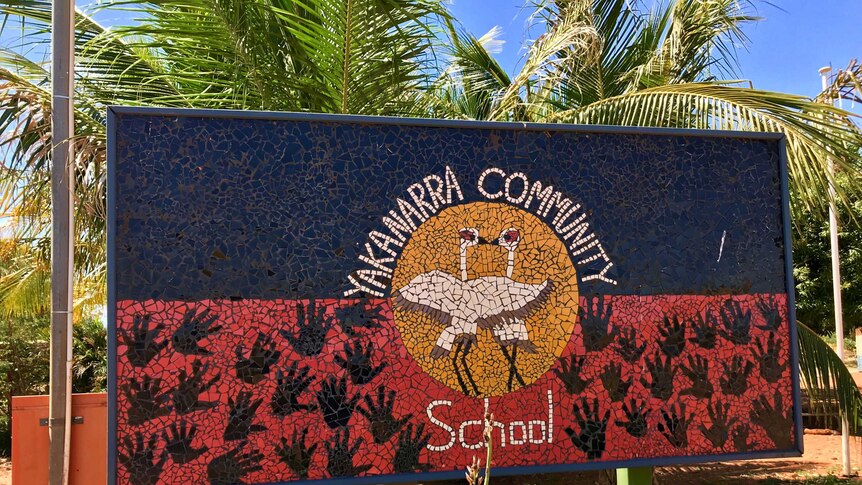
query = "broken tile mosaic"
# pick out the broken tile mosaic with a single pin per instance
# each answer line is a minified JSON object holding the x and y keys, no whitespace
{"x":309,"y":299}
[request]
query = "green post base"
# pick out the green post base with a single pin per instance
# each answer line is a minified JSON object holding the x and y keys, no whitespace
{"x":634,"y":476}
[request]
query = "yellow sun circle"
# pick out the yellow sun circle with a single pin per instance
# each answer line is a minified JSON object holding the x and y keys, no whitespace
{"x":539,"y":256}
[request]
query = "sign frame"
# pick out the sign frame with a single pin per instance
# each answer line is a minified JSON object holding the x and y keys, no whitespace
{"x":114,"y":112}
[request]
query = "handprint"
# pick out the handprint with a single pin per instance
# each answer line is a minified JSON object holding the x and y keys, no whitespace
{"x":178,"y":442}
{"x":636,"y":414}
{"x":186,"y":397}
{"x":229,"y":468}
{"x":675,"y":426}
{"x":138,"y":459}
{"x":661,"y":374}
{"x":591,"y":438}
{"x":358,"y":315}
{"x":256,"y":366}
{"x":195,"y":327}
{"x":295,"y":455}
{"x":146,"y":400}
{"x":735,"y":379}
{"x":357,"y":363}
{"x":340,"y":456}
{"x":737,"y":324}
{"x":698,"y":372}
{"x":596,"y":329}
{"x":406,"y":459}
{"x":242,"y":411}
{"x":627,"y":346}
{"x":775,"y":420}
{"x":313,"y":325}
{"x":140,"y":340}
{"x":383,"y":424}
{"x":771,"y":314}
{"x":570,"y":375}
{"x":704,"y":330}
{"x":719,"y":430}
{"x":771,"y":366}
{"x":673,"y":337}
{"x":612,"y":378}
{"x":285,"y":400}
{"x":334,"y":404}
{"x":740,"y":438}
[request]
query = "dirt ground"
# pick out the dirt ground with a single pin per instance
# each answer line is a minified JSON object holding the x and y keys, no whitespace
{"x":821,"y":459}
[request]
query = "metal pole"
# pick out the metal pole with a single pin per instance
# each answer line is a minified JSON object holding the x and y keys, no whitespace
{"x":62,"y":238}
{"x":836,"y":285}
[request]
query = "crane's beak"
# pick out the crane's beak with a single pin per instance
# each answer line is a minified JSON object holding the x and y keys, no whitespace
{"x":482,"y":240}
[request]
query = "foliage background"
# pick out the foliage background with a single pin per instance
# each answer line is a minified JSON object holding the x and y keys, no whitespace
{"x":24,"y":357}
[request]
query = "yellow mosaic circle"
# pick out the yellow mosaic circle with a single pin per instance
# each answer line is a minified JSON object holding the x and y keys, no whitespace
{"x":480,"y":361}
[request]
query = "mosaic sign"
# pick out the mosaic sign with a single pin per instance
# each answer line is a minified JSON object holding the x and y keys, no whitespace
{"x":299,"y":297}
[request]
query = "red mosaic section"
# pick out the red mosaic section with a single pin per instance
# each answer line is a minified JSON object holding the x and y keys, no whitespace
{"x":264,"y":391}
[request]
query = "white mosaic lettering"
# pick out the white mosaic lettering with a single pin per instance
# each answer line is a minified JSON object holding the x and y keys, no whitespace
{"x":442,"y":425}
{"x":512,"y":438}
{"x":452,"y":186}
{"x":524,"y":191}
{"x":481,"y":183}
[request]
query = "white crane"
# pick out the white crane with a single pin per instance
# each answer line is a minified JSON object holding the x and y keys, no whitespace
{"x":510,"y":329}
{"x":494,"y":302}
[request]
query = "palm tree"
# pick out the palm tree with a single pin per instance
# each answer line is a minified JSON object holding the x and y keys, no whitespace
{"x":593,"y":62}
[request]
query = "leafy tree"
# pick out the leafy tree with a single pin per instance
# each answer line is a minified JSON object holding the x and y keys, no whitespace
{"x":24,"y":355}
{"x":90,"y":358}
{"x":812,"y":269}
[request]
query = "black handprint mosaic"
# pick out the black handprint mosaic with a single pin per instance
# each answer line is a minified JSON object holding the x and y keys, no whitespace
{"x":320,"y":300}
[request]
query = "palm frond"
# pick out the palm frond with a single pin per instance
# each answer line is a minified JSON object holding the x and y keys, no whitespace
{"x":472,"y":79}
{"x":569,"y":38}
{"x":826,"y":379}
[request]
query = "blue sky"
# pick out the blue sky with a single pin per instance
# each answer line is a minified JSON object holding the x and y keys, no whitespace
{"x":787,"y":48}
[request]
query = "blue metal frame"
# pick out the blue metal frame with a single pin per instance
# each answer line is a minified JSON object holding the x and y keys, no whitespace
{"x":791,"y":293}
{"x":114,"y":111}
{"x":112,"y":298}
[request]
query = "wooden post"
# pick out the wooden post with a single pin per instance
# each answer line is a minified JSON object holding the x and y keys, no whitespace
{"x":634,"y":476}
{"x":62,"y":237}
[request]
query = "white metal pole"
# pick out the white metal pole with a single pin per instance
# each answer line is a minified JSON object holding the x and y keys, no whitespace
{"x":836,"y":283}
{"x":62,"y":237}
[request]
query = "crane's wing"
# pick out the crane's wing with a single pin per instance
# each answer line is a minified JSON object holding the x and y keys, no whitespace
{"x":512,"y":300}
{"x":434,"y":293}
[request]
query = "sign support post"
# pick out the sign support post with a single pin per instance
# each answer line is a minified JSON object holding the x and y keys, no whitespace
{"x":634,"y":476}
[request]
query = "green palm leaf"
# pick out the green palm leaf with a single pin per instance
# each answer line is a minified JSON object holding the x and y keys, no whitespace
{"x":826,"y":379}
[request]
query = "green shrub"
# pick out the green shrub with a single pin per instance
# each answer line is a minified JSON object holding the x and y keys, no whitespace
{"x":25,"y":359}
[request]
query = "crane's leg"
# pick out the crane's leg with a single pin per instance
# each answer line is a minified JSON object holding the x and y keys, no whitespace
{"x":467,"y":347}
{"x":457,"y":371}
{"x":506,"y":334}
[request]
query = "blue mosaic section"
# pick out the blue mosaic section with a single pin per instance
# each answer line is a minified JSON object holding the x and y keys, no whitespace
{"x":211,"y":208}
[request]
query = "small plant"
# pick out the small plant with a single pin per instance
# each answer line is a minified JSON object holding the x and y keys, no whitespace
{"x":473,"y":469}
